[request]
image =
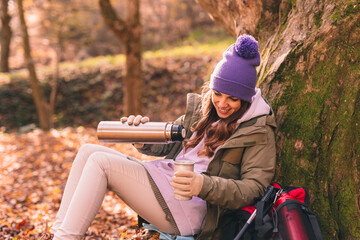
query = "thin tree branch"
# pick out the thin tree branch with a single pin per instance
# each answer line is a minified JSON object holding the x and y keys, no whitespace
{"x":112,"y":20}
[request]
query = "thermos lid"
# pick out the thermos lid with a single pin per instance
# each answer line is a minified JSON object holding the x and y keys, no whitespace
{"x":178,"y":133}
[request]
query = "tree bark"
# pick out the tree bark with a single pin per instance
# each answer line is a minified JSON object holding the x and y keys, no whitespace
{"x":5,"y":34}
{"x":310,"y":74}
{"x":38,"y":96}
{"x":129,"y":33}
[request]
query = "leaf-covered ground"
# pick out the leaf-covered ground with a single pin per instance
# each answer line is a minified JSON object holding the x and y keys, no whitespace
{"x":33,"y":170}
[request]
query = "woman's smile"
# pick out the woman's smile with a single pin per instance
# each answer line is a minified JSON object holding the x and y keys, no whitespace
{"x":224,"y":104}
{"x":224,"y":111}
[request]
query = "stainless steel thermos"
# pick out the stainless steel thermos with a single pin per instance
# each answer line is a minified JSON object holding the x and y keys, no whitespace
{"x":150,"y":132}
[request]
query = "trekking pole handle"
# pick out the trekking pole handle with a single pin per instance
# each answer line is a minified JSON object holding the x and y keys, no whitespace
{"x":267,"y":194}
{"x":253,"y":215}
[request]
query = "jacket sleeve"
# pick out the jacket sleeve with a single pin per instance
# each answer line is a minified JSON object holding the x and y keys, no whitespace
{"x":257,"y":168}
{"x":192,"y":114}
{"x":159,"y":150}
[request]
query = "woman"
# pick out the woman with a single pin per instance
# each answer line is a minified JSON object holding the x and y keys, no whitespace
{"x":229,"y":137}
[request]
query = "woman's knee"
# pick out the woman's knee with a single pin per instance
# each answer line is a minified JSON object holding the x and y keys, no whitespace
{"x":83,"y":154}
{"x":100,"y":160}
{"x":87,"y":148}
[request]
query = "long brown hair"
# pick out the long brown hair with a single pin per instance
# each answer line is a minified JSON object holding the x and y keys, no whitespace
{"x":216,"y":134}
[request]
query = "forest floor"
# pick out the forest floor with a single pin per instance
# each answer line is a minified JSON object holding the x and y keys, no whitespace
{"x":34,"y":167}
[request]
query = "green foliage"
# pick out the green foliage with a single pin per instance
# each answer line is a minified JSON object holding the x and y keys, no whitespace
{"x":212,"y":35}
{"x":352,"y":8}
{"x":190,"y":50}
{"x":318,"y":18}
{"x":94,"y":62}
{"x":17,"y":107}
{"x":199,"y":43}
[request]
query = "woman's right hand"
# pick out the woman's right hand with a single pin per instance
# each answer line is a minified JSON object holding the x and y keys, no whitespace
{"x":135,"y":120}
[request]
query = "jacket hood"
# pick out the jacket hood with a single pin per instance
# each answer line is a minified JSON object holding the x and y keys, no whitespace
{"x":257,"y":108}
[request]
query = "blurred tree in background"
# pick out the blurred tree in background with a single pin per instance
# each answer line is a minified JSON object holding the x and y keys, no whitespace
{"x":42,"y":107}
{"x":5,"y":33}
{"x":129,"y":33}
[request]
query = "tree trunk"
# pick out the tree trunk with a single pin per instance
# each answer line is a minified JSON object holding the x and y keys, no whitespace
{"x":5,"y":38}
{"x":310,"y":74}
{"x":129,"y":33}
{"x":133,"y":82}
{"x":38,"y":96}
{"x":54,"y":84}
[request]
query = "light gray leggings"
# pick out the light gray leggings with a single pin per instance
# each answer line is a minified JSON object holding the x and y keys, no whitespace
{"x":94,"y":170}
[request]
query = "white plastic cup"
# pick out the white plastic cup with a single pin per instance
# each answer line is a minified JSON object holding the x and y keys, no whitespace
{"x":181,"y":165}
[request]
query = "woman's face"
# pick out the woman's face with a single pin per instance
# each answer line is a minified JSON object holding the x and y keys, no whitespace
{"x":224,"y":104}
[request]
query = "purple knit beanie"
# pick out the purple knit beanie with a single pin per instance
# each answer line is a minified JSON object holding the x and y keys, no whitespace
{"x":236,"y":74}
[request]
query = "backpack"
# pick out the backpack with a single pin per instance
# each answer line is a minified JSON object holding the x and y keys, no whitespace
{"x":281,"y":214}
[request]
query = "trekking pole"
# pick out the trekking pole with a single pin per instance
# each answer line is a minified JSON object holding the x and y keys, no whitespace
{"x":265,"y":198}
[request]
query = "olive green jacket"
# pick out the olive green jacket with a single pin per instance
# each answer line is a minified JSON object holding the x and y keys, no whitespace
{"x":240,"y":171}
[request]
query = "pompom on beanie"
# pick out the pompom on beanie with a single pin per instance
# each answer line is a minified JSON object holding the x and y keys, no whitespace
{"x":236,"y":74}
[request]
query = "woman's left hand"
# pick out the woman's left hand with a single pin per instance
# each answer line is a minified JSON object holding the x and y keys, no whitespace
{"x":187,"y":183}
